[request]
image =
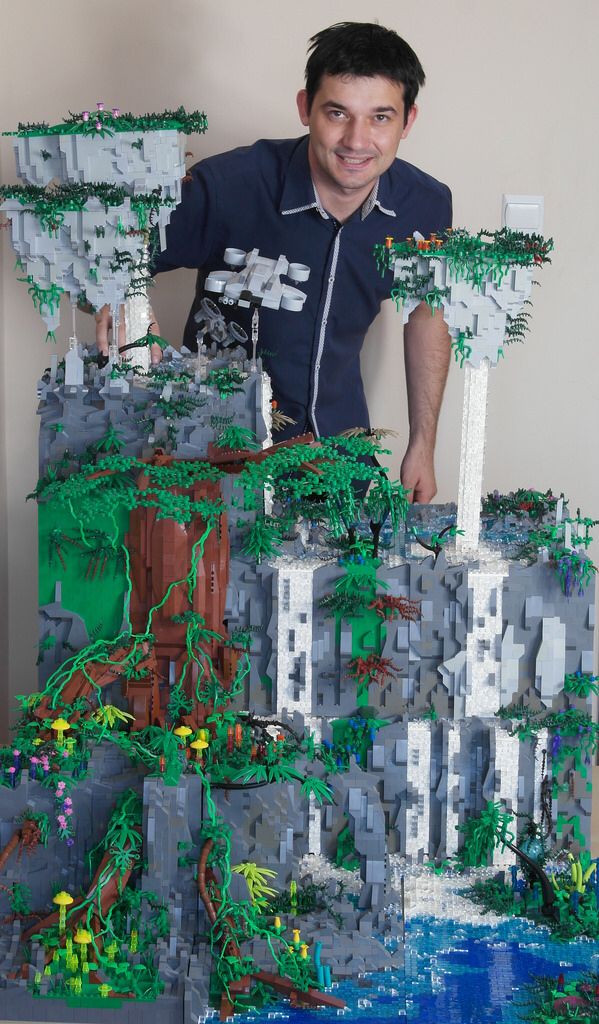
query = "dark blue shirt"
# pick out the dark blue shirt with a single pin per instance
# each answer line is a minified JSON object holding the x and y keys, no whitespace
{"x":262,"y":196}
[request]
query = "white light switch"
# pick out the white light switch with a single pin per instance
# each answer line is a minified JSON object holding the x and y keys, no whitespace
{"x":523,"y":213}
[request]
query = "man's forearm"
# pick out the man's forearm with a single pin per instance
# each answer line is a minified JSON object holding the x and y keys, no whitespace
{"x":427,"y":351}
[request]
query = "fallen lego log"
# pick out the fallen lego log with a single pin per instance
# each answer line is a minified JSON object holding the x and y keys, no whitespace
{"x":231,"y":461}
{"x":95,"y":674}
{"x":309,"y":997}
{"x":296,"y":996}
{"x":106,"y":884}
{"x":205,"y":875}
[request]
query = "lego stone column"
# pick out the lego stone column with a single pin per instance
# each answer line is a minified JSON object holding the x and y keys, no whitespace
{"x":294,"y":660}
{"x":472,"y":455}
{"x":138,"y":318}
{"x":483,"y":641}
{"x":481,"y":284}
{"x":419,"y":789}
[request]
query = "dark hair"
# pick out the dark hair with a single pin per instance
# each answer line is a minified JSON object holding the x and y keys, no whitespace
{"x":365,"y":50}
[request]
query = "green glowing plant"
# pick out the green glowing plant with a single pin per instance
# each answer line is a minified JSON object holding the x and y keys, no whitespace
{"x":256,"y":878}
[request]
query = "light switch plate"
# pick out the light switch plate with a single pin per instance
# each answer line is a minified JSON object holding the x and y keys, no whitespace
{"x":523,"y":213}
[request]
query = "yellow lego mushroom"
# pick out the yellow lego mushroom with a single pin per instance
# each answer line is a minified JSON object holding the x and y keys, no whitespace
{"x":60,"y":726}
{"x":199,"y":746}
{"x":183,"y":731}
{"x":83,"y":939}
{"x":62,"y":900}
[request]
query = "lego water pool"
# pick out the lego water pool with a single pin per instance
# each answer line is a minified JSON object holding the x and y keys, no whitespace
{"x":455,"y":973}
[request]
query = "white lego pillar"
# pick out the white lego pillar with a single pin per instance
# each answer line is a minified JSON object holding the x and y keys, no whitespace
{"x":507,"y":762}
{"x":483,"y":642}
{"x":138,"y":315}
{"x":452,"y":817}
{"x":263,"y":383}
{"x":294,"y":646}
{"x":524,"y":213}
{"x":472,"y":456}
{"x":419,"y":786}
{"x":294,"y":661}
{"x":114,"y":357}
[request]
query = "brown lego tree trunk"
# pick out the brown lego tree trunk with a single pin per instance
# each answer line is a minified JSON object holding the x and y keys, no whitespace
{"x":297,"y":997}
{"x":108,"y":882}
{"x":25,"y":837}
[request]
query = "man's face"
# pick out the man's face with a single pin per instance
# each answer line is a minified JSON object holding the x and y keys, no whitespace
{"x":356,"y":125}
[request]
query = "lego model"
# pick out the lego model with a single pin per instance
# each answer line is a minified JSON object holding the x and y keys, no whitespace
{"x":481,"y":283}
{"x":257,"y":679}
{"x":259,"y":281}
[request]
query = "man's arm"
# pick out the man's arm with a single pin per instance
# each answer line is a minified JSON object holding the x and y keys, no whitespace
{"x":427,"y":351}
{"x":189,"y":235}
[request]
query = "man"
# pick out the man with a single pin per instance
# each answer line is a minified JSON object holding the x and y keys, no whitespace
{"x":324,"y":200}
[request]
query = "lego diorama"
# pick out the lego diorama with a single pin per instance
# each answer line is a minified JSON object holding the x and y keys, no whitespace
{"x":276,"y":701}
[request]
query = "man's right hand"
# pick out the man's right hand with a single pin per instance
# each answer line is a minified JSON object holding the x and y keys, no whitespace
{"x":104,"y":326}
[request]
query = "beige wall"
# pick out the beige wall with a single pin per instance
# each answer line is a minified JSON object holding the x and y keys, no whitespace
{"x":509,"y":106}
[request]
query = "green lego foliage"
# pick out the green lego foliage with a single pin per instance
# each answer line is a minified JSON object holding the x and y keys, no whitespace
{"x":237,"y":438}
{"x":550,"y":1000}
{"x":50,"y":205}
{"x":352,"y":737}
{"x":574,"y":739}
{"x":520,"y":503}
{"x":581,"y":684}
{"x":129,"y":926}
{"x":483,"y":833}
{"x":45,"y":300}
{"x":91,"y":569}
{"x":345,"y":854}
{"x":488,"y":255}
{"x":106,"y":123}
{"x":262,"y":538}
{"x":306,"y":898}
{"x":256,"y":878}
{"x":226,"y":381}
{"x":573,"y":567}
{"x":470,"y":258}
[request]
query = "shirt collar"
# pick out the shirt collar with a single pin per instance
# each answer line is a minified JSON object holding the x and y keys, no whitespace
{"x":300,"y":194}
{"x":380,"y":188}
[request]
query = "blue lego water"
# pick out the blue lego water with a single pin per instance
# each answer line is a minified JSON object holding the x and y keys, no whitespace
{"x":454,"y":974}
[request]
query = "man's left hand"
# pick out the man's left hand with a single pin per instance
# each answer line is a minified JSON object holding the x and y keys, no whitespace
{"x":418,"y":473}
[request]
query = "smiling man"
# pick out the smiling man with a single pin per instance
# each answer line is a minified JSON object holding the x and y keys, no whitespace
{"x":356,"y":124}
{"x":325,"y":200}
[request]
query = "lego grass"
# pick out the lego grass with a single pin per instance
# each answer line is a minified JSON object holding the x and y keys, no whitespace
{"x":92,"y":573}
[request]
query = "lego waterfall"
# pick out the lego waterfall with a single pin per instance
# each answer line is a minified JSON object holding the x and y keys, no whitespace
{"x":267,"y":694}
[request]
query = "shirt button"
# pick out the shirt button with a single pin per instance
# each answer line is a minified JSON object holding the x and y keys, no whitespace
{"x":331,"y":280}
